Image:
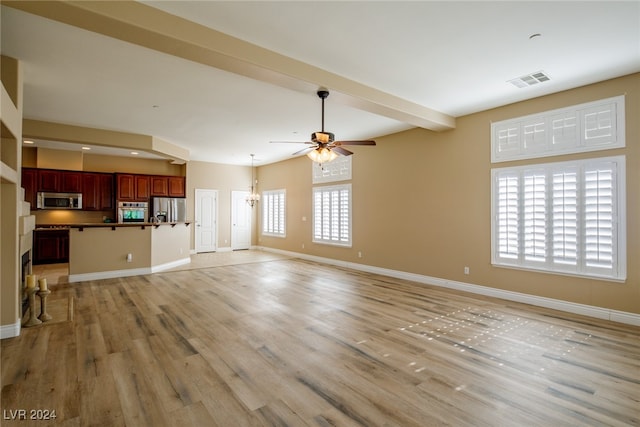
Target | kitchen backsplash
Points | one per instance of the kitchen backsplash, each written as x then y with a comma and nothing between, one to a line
70,216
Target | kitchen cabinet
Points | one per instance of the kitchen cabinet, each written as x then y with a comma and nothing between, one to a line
132,187
159,186
142,187
30,185
50,246
167,186
56,181
176,186
106,191
70,182
125,187
48,180
97,191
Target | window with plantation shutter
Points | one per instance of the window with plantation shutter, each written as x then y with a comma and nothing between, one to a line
336,170
273,213
332,215
592,126
565,217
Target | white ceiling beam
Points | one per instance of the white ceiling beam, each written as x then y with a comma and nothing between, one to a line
152,28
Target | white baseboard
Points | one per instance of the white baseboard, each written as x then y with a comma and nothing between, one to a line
10,331
73,278
570,307
170,265
100,275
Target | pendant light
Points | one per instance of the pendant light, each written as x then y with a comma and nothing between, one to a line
252,198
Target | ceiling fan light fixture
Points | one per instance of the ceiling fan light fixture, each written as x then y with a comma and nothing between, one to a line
322,137
322,155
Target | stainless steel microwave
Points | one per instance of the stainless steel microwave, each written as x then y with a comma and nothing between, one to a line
59,200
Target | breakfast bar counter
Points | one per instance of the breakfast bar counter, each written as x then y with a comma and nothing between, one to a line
109,250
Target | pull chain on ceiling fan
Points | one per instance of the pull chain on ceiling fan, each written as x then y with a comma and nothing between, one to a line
325,147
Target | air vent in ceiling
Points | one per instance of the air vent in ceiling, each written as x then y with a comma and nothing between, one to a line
530,79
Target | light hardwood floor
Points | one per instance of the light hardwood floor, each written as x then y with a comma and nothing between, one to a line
287,342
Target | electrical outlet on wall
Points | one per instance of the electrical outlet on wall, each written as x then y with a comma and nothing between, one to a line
466,270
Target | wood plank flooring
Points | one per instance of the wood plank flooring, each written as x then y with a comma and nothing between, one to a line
287,342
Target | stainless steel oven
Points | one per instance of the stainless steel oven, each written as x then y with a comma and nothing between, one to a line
133,212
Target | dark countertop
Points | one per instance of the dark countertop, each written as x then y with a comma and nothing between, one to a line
112,225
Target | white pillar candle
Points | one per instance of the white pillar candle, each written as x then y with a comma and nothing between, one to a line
31,281
43,284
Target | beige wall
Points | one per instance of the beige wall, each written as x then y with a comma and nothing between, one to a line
101,163
169,244
61,159
421,203
103,249
225,179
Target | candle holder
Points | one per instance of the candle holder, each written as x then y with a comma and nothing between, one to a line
33,320
44,316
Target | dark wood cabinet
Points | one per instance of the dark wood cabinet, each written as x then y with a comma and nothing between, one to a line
48,180
90,192
125,187
50,246
167,186
132,187
70,182
159,186
30,185
142,187
57,181
97,191
106,191
176,186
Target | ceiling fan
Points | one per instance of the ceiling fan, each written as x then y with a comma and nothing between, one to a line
325,148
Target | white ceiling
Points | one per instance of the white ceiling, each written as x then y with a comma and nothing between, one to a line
453,57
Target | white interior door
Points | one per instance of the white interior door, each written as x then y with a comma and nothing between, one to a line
240,221
206,207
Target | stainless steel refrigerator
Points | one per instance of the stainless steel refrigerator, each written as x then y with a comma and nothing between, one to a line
169,209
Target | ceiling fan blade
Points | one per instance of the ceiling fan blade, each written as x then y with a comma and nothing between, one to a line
341,151
354,143
291,142
303,151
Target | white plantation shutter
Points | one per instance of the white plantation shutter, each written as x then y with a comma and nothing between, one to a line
535,215
336,170
564,221
273,213
565,217
564,131
592,126
600,123
599,217
332,214
508,216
